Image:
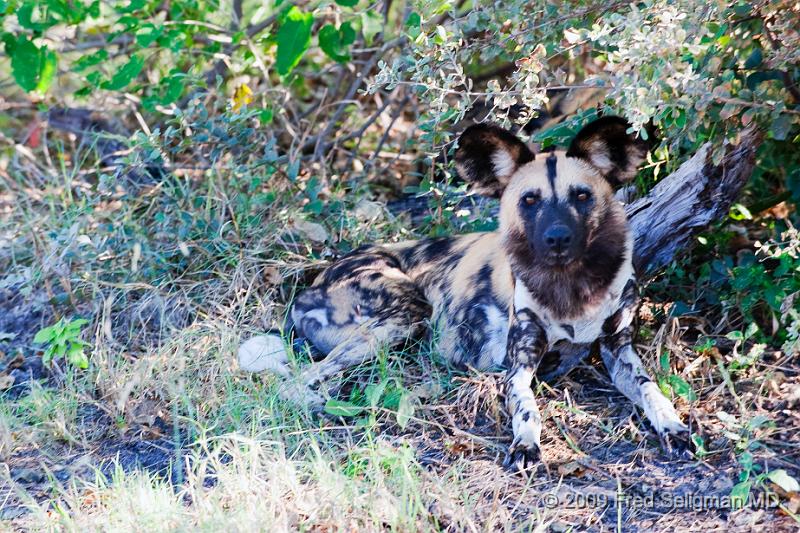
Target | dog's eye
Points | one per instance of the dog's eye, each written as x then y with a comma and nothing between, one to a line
530,198
582,196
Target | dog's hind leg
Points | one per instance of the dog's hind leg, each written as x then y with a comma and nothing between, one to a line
362,344
364,303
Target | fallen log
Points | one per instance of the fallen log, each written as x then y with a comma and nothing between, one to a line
664,221
687,201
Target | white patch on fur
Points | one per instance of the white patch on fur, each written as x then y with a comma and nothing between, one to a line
528,431
598,156
320,315
494,351
265,352
503,163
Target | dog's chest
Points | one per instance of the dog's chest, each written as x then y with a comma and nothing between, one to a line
580,330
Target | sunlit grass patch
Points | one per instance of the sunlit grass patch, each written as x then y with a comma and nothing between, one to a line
249,484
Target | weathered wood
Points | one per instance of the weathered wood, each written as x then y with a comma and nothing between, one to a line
679,207
688,201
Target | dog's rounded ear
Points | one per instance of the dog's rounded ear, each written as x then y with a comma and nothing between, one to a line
606,145
488,156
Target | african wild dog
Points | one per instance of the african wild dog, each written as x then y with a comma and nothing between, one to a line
536,294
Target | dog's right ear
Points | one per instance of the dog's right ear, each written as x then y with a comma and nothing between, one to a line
488,156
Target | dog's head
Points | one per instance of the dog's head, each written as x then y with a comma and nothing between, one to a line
558,208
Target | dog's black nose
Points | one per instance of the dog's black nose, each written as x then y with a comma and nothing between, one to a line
558,238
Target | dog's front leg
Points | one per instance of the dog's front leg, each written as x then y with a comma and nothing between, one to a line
527,342
632,379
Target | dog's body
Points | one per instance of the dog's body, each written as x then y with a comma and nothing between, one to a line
532,296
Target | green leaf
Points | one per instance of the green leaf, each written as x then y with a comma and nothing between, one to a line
758,421
754,59
45,335
33,68
734,335
413,20
25,16
371,25
682,388
347,3
293,39
147,35
265,116
59,348
89,60
334,42
47,357
391,399
781,126
781,478
47,72
728,110
740,212
340,408
740,493
10,43
126,74
746,460
663,361
414,24
563,132
133,5
374,392
77,357
75,325
94,79
405,410
175,85
754,79
699,445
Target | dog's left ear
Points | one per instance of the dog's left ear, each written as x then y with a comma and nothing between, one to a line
606,145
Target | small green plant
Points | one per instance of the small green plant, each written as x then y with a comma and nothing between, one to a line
63,340
668,381
743,435
742,361
388,394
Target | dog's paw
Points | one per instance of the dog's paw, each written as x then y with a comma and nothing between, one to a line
522,456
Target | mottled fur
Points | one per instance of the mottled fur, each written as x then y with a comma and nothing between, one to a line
535,295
